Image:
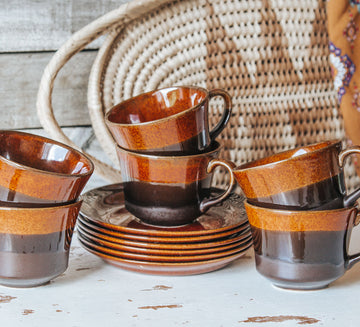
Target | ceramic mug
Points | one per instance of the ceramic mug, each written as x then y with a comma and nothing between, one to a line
308,177
35,243
35,170
170,190
167,121
302,249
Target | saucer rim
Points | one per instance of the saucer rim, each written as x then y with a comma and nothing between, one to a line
158,268
181,246
167,239
165,259
164,251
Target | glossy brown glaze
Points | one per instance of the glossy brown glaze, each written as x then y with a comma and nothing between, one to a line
162,258
326,194
167,170
149,244
34,243
167,121
159,251
170,190
167,239
302,249
305,260
155,202
306,177
32,260
35,169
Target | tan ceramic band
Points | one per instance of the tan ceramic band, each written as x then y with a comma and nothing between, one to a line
300,221
53,187
38,221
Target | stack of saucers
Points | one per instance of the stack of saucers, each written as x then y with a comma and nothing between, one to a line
212,241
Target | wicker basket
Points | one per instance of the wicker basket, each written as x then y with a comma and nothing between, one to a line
271,56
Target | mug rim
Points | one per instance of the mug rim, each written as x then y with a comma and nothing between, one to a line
44,139
244,167
217,146
75,203
109,122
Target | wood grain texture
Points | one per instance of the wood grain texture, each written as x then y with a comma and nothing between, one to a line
44,25
20,76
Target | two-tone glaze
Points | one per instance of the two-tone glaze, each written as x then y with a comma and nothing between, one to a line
35,243
35,169
302,249
173,120
309,177
170,190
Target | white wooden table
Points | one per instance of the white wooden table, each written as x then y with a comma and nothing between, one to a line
93,293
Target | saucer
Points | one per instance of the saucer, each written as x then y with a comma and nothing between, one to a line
215,239
105,207
166,268
162,258
231,239
164,252
177,238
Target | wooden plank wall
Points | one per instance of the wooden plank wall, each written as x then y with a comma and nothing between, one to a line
31,31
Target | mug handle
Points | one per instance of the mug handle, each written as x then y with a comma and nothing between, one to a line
207,203
351,198
226,114
354,258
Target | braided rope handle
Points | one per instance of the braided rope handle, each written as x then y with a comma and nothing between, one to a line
77,42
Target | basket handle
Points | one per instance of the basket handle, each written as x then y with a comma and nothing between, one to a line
75,44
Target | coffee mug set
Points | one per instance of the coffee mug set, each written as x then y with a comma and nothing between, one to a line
40,184
300,215
296,202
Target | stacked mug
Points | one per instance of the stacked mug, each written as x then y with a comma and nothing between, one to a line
167,153
300,214
40,184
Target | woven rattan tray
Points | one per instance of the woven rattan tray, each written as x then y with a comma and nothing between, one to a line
271,56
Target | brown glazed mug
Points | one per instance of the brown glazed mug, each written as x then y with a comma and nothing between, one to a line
302,249
35,243
170,190
167,121
304,178
35,170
